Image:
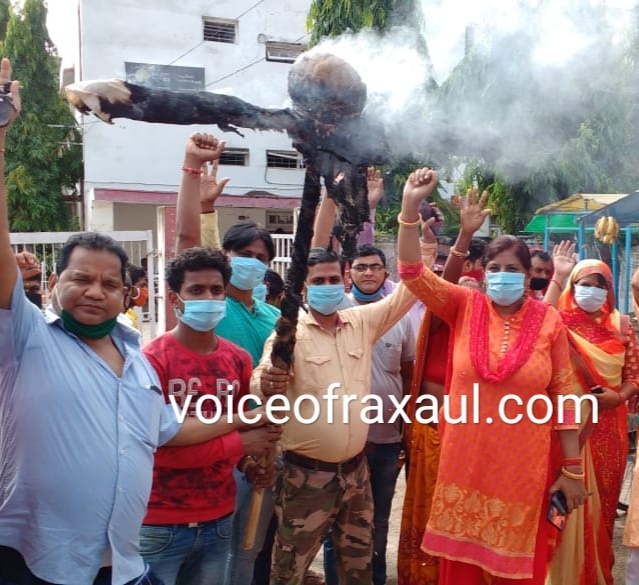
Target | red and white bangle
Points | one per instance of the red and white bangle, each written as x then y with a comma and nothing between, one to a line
192,171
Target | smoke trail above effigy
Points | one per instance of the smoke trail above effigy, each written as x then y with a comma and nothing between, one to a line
509,79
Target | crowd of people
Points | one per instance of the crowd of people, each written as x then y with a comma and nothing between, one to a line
501,376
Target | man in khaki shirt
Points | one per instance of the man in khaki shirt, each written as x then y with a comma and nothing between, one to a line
325,483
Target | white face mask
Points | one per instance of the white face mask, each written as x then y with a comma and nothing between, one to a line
590,298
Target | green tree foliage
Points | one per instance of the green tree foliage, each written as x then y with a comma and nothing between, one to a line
5,13
329,18
545,150
43,156
590,147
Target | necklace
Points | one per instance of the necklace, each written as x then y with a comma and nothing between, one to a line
532,319
504,343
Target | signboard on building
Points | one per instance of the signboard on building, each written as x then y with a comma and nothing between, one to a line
169,77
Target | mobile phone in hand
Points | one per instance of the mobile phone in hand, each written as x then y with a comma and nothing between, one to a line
426,211
558,511
596,389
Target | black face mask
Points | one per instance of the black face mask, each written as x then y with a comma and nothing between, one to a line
34,297
539,283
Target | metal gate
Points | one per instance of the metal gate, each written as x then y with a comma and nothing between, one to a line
137,244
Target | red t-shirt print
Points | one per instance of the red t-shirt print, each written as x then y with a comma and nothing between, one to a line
195,483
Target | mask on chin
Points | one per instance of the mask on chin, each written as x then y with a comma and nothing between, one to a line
97,331
363,297
477,275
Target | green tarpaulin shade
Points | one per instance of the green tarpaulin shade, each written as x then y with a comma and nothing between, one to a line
537,224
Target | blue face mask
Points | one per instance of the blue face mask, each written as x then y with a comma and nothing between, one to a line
590,298
247,273
325,298
363,297
201,315
259,292
505,288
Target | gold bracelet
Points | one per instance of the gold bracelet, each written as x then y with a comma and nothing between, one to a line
571,475
408,224
458,254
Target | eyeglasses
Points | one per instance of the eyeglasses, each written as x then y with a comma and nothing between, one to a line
364,267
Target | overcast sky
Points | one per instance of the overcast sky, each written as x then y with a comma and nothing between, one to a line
61,22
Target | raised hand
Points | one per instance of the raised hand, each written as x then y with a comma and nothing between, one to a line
431,226
564,259
9,94
420,185
28,264
210,188
375,184
202,148
472,213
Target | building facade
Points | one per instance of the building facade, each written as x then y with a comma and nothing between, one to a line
242,48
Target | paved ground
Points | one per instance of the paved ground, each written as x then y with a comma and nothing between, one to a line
393,537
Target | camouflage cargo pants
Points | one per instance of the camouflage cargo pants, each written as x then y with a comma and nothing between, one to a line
308,503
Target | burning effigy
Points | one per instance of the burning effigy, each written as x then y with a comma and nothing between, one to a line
325,125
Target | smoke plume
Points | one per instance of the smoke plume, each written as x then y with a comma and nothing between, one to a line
509,80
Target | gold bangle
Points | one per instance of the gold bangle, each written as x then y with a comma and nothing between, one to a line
458,254
571,475
408,224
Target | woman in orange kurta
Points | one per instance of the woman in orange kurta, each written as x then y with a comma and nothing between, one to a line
604,353
510,366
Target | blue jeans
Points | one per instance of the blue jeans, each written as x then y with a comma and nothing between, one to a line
181,555
14,571
240,562
383,466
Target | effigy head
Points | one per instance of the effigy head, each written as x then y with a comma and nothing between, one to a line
326,88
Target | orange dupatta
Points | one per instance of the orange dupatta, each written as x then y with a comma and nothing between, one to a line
414,566
585,554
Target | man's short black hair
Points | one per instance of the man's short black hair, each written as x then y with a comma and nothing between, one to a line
136,272
193,260
274,283
324,255
370,250
245,233
476,249
541,254
91,241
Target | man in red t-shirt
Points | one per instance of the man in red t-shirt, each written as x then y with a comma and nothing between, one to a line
185,535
